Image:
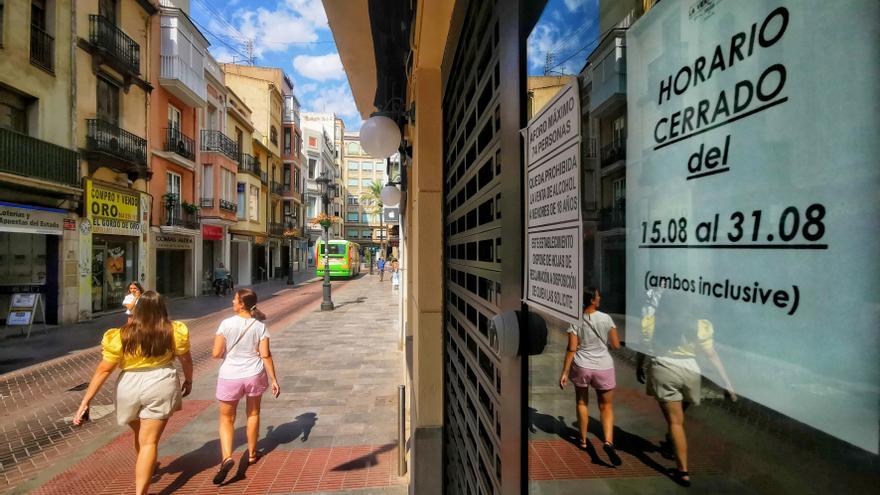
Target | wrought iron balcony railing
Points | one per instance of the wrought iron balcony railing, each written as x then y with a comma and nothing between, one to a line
42,49
107,138
31,157
228,206
180,143
249,164
176,215
276,228
219,142
122,51
612,152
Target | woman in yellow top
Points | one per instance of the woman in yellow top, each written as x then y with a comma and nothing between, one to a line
148,391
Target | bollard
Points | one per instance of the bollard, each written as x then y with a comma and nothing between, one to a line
401,430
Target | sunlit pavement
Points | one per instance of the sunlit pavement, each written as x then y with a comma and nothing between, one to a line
332,430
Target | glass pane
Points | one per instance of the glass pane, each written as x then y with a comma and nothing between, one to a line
723,158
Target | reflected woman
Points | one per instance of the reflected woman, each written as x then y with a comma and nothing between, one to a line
588,363
673,375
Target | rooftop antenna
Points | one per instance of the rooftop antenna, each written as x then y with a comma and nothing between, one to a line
249,46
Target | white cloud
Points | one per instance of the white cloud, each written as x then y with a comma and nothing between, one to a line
320,67
311,10
336,99
307,87
274,31
223,54
543,38
574,5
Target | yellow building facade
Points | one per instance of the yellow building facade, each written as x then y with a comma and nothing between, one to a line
40,188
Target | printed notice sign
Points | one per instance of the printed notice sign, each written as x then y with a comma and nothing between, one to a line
752,207
554,279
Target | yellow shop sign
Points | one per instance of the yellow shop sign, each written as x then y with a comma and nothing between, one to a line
112,211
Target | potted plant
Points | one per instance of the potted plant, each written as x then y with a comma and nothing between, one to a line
190,208
325,220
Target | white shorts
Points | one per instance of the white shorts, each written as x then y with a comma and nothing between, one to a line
150,393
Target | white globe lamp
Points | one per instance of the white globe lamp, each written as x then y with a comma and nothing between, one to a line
390,195
380,136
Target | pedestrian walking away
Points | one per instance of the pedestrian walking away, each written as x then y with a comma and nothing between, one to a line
381,266
135,290
589,364
242,342
673,375
148,390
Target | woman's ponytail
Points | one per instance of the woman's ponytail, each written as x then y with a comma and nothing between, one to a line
248,299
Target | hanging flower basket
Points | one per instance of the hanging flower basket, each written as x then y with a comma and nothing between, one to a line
325,221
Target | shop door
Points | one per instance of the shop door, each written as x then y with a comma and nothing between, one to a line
482,115
99,254
170,272
208,265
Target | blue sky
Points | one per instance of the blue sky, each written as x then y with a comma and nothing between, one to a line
290,34
568,29
294,35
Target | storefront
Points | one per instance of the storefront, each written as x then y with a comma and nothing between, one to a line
212,254
240,258
174,264
260,261
112,246
30,239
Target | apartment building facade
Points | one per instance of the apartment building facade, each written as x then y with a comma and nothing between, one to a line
293,186
363,177
247,228
40,188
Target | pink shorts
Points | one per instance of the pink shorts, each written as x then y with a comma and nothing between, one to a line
232,390
598,379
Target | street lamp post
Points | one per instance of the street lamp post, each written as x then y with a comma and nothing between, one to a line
290,250
326,190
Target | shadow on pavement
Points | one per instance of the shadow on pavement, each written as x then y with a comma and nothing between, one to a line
624,441
288,432
359,300
192,463
364,461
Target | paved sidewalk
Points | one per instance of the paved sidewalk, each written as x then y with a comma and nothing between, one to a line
332,430
16,352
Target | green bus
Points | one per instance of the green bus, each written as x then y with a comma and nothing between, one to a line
345,258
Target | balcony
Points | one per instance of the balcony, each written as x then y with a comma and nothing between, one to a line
116,48
228,206
613,152
176,214
275,188
42,49
218,142
183,50
264,177
207,203
608,72
108,145
590,148
612,218
248,164
180,143
31,157
276,228
291,111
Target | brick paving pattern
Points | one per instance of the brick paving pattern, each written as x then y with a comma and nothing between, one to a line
333,428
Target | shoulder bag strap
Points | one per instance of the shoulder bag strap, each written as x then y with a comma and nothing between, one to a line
240,336
589,323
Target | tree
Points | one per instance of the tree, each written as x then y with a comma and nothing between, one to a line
372,203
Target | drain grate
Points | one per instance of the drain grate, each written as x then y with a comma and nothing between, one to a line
79,388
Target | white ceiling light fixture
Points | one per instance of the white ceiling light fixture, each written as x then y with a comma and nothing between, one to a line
380,136
390,195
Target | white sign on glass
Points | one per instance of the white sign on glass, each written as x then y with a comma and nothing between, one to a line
752,185
554,279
